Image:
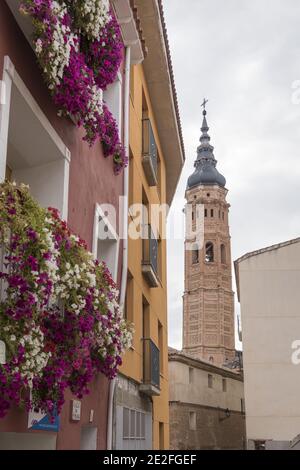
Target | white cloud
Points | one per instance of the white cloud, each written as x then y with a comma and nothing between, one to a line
244,56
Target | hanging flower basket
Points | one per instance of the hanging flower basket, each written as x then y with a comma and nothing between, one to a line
59,315
79,48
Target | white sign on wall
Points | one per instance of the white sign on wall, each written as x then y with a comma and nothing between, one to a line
76,410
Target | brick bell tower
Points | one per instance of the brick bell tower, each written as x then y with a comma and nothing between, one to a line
208,305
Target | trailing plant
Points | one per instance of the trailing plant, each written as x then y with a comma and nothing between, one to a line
79,48
59,313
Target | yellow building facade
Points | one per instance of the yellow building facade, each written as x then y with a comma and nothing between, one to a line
147,306
156,160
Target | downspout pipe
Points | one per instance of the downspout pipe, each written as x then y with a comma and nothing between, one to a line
112,386
126,179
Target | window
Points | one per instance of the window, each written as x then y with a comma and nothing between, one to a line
224,385
191,375
138,423
132,424
211,359
151,371
192,421
151,247
126,423
259,445
151,259
211,212
129,301
223,254
161,436
195,254
145,215
159,258
31,151
113,98
106,241
210,381
208,194
242,405
149,150
149,157
143,425
145,333
223,216
205,212
146,319
209,252
161,346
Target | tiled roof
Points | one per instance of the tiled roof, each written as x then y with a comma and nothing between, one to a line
138,26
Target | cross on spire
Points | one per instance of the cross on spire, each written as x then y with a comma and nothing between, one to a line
203,105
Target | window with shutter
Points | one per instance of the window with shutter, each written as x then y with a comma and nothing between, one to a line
126,433
132,424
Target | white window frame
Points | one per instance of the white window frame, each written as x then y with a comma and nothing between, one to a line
191,375
10,78
136,414
112,235
109,96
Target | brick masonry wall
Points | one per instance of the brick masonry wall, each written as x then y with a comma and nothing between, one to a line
213,432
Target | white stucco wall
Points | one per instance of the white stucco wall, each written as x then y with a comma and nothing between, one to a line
270,310
198,391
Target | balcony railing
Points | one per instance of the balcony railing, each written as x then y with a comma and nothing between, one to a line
150,257
149,158
151,368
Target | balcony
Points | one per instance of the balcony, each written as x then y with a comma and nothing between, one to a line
150,258
149,158
151,366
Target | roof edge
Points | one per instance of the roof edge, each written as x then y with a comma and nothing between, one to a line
268,248
175,355
251,254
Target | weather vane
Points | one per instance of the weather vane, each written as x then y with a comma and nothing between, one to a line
204,104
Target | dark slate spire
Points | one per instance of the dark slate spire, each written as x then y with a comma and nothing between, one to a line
205,164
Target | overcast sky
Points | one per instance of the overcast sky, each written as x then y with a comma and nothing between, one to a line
244,56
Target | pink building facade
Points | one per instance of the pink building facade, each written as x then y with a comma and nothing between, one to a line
47,152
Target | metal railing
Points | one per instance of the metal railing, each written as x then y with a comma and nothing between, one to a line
149,144
151,363
150,248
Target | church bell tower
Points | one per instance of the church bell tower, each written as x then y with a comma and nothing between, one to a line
208,305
